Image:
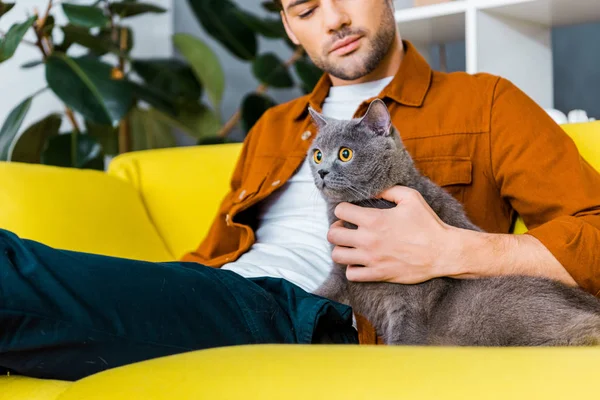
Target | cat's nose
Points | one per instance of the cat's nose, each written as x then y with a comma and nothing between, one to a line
322,173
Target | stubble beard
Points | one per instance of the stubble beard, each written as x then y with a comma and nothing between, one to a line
350,68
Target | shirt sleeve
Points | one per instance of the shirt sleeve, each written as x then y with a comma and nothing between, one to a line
540,173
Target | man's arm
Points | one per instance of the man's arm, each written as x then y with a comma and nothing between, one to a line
536,168
539,171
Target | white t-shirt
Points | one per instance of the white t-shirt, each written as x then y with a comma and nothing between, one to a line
291,238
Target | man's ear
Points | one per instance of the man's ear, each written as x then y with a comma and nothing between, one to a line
289,32
377,118
317,118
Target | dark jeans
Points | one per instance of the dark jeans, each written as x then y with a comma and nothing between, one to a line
65,315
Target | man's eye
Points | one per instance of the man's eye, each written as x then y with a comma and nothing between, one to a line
307,13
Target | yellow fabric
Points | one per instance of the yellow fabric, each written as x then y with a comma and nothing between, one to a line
78,210
146,198
19,388
587,138
182,188
352,372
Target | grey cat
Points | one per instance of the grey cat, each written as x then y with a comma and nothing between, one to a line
355,160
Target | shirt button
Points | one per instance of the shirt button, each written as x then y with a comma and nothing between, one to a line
306,135
275,183
241,196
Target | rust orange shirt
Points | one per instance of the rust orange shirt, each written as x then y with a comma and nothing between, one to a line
478,136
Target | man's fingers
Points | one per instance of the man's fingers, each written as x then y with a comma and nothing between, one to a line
354,214
355,273
347,255
342,236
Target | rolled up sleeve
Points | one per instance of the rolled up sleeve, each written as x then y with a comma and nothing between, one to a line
540,173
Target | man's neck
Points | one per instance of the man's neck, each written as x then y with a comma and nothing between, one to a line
388,67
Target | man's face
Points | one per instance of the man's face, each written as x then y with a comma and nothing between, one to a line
345,38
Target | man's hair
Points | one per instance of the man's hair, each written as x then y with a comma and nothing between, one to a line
278,4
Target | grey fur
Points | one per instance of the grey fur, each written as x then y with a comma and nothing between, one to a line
498,311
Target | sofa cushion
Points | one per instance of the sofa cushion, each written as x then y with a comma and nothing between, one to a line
80,210
182,188
20,388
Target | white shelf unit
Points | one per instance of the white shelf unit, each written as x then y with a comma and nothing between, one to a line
510,38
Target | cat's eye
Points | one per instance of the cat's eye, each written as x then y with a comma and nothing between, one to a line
318,156
345,154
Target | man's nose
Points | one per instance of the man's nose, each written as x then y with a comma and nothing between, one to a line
334,14
322,173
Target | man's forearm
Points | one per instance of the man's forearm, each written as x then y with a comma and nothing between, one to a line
486,254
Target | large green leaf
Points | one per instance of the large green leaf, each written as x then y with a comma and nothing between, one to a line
253,107
29,145
270,6
82,36
98,44
148,131
5,7
105,35
10,42
268,27
270,70
49,25
194,119
85,16
11,126
154,97
58,152
170,76
85,85
106,135
308,73
221,20
130,9
205,64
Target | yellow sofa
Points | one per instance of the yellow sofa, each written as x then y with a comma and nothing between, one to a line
156,205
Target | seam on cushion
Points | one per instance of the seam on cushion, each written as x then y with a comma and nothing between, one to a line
124,337
140,185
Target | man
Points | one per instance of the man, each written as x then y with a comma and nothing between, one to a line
66,315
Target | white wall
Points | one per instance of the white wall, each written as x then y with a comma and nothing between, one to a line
152,39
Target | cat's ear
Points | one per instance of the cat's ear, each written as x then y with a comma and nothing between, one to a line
318,119
377,118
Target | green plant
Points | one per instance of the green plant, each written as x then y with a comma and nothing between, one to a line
114,103
132,104
238,31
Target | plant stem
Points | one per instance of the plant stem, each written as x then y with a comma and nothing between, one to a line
261,89
72,119
124,135
74,140
124,127
74,136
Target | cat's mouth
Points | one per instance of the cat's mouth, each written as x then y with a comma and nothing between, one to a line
337,190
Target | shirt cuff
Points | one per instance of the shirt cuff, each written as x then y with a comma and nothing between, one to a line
573,242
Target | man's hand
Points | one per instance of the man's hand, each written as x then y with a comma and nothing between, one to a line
410,244
405,244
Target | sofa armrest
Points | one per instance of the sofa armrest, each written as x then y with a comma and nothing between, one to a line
181,188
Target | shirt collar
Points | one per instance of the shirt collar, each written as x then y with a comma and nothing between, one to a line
409,86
